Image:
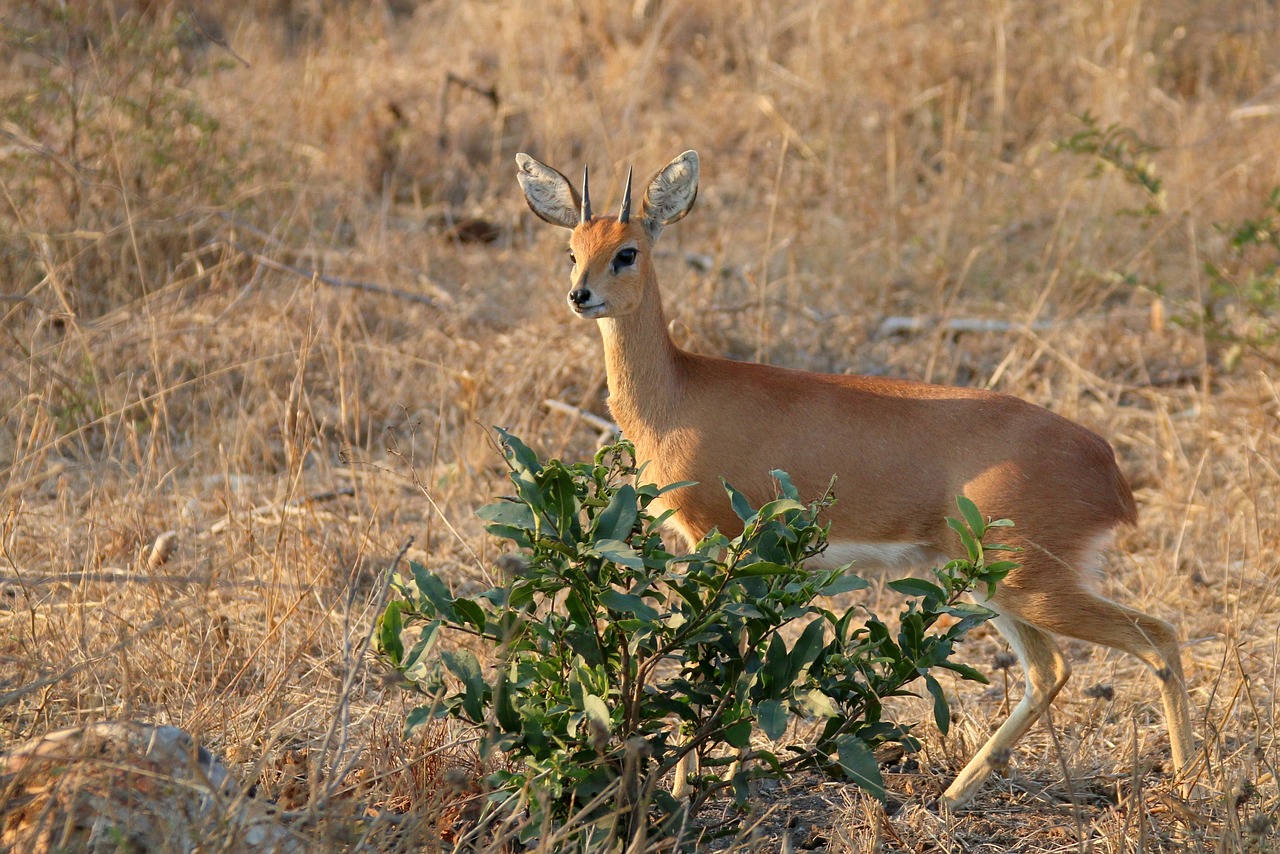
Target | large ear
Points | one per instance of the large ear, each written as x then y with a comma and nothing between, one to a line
671,193
548,193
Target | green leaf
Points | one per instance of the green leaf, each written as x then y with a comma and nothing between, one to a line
618,552
738,733
818,704
772,715
561,500
779,506
911,633
582,641
415,663
998,570
504,705
534,732
965,671
669,706
576,690
617,520
659,521
522,537
785,486
512,514
518,453
434,591
417,717
806,648
689,593
389,633
846,583
463,664
618,601
977,524
521,594
682,484
741,506
762,568
776,665
969,615
941,711
469,612
768,758
577,609
597,712
917,587
859,765
971,546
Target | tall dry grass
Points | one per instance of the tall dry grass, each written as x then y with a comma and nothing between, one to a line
172,181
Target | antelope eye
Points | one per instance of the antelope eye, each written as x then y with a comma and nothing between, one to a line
572,259
625,258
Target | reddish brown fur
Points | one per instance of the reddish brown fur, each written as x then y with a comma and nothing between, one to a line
900,451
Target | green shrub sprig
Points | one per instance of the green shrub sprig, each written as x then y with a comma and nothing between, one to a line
604,638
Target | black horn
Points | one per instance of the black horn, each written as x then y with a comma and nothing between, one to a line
586,198
625,214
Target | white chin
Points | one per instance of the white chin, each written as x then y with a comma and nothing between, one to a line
590,312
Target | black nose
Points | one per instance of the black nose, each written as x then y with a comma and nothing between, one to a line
580,296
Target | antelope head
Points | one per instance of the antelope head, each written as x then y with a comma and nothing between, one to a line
611,256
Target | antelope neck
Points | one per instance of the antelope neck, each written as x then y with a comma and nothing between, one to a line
644,368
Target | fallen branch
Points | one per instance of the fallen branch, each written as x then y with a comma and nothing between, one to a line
489,93
608,430
1189,376
294,507
332,281
111,575
903,325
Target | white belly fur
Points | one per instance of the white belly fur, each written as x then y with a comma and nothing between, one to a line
866,556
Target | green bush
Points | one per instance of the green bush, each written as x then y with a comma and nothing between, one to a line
604,638
1240,312
1119,148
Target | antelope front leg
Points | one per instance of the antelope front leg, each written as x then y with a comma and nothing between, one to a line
1046,672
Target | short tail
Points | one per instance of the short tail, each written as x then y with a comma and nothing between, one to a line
1124,497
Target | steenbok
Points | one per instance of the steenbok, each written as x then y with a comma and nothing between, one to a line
900,452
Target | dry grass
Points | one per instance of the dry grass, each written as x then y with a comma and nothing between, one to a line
161,370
